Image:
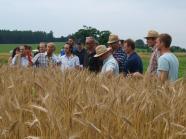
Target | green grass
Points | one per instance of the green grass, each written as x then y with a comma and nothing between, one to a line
182,62
5,49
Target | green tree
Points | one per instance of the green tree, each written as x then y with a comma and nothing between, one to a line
140,44
100,36
103,37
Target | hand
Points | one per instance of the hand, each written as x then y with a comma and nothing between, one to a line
137,74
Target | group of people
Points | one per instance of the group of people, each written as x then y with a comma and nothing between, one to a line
118,57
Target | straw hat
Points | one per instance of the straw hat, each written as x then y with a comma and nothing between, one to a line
113,38
152,34
101,49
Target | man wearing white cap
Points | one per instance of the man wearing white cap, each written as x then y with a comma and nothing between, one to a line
110,65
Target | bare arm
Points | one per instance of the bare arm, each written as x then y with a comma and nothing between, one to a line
163,76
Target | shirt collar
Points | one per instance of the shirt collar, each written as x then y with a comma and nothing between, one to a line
69,57
104,61
47,55
131,54
154,48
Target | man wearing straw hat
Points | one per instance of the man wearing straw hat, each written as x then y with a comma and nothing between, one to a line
110,65
118,52
151,42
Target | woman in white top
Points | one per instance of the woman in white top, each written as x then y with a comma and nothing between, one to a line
69,60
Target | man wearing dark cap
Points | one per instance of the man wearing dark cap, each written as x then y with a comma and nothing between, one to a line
80,52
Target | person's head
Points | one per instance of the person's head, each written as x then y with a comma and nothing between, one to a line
151,37
90,43
50,48
15,51
122,44
80,45
102,52
163,41
114,42
28,49
129,46
71,40
68,48
23,52
42,47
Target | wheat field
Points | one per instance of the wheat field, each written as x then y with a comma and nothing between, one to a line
49,104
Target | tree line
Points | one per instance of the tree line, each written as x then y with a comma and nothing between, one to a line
30,37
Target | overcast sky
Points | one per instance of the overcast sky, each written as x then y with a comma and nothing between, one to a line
127,18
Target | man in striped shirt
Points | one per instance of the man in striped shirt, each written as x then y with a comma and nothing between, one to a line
151,42
118,52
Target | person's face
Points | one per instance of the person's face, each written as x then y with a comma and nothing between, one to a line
151,42
22,50
71,42
102,57
67,49
158,44
80,46
114,45
127,48
17,51
50,49
90,44
28,51
42,48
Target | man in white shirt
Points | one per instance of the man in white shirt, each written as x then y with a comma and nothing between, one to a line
69,60
110,65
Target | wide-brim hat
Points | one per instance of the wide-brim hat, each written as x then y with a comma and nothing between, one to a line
113,38
152,34
101,49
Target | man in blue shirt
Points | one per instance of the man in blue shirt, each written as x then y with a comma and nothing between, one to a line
80,52
71,41
134,63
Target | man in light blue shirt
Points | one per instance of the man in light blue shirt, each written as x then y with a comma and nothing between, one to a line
168,63
110,65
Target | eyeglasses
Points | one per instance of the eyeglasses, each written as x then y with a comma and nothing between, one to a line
110,44
151,38
89,43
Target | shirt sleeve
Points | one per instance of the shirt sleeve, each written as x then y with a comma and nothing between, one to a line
110,67
77,61
57,59
35,58
14,60
163,64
